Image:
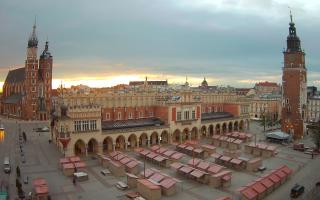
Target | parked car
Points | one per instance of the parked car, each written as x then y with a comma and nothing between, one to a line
6,165
42,129
296,191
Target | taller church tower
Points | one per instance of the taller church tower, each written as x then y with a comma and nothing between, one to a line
294,83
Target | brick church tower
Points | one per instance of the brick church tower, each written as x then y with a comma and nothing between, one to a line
31,77
294,83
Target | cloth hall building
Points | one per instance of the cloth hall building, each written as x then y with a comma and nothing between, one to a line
108,119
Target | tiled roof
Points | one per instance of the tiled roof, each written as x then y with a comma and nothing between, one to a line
266,84
13,99
134,123
16,75
215,115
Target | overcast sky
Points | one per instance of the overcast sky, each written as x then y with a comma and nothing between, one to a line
103,42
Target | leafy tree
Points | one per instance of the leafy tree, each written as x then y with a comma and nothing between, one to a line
315,135
18,172
18,184
24,136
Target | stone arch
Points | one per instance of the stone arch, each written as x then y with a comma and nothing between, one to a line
143,140
185,134
132,141
107,144
211,130
194,133
203,131
120,143
235,126
218,129
176,135
154,138
93,146
224,128
80,148
241,125
230,127
164,138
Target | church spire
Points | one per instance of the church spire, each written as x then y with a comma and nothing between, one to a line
293,41
33,40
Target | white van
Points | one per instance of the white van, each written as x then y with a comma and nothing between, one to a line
6,165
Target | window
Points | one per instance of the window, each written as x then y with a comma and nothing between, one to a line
151,114
119,115
186,115
140,114
193,114
178,116
108,116
210,110
77,126
33,89
287,101
130,115
93,125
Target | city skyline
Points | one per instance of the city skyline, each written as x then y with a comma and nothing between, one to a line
229,43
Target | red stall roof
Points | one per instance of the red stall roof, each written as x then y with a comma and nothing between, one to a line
64,160
281,174
68,166
80,164
144,152
203,165
236,161
176,165
41,190
177,155
190,148
167,183
198,150
194,162
162,150
225,158
148,184
39,182
208,146
258,187
132,164
286,169
182,146
216,155
119,156
157,177
274,178
249,193
266,182
224,198
169,153
237,141
215,168
155,147
197,173
152,155
159,158
114,153
125,160
74,159
186,169
149,173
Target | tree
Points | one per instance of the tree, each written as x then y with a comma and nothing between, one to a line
315,135
24,136
18,172
18,184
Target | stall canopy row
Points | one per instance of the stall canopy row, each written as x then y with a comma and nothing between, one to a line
267,183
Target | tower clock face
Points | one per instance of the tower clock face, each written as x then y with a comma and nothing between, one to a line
291,58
